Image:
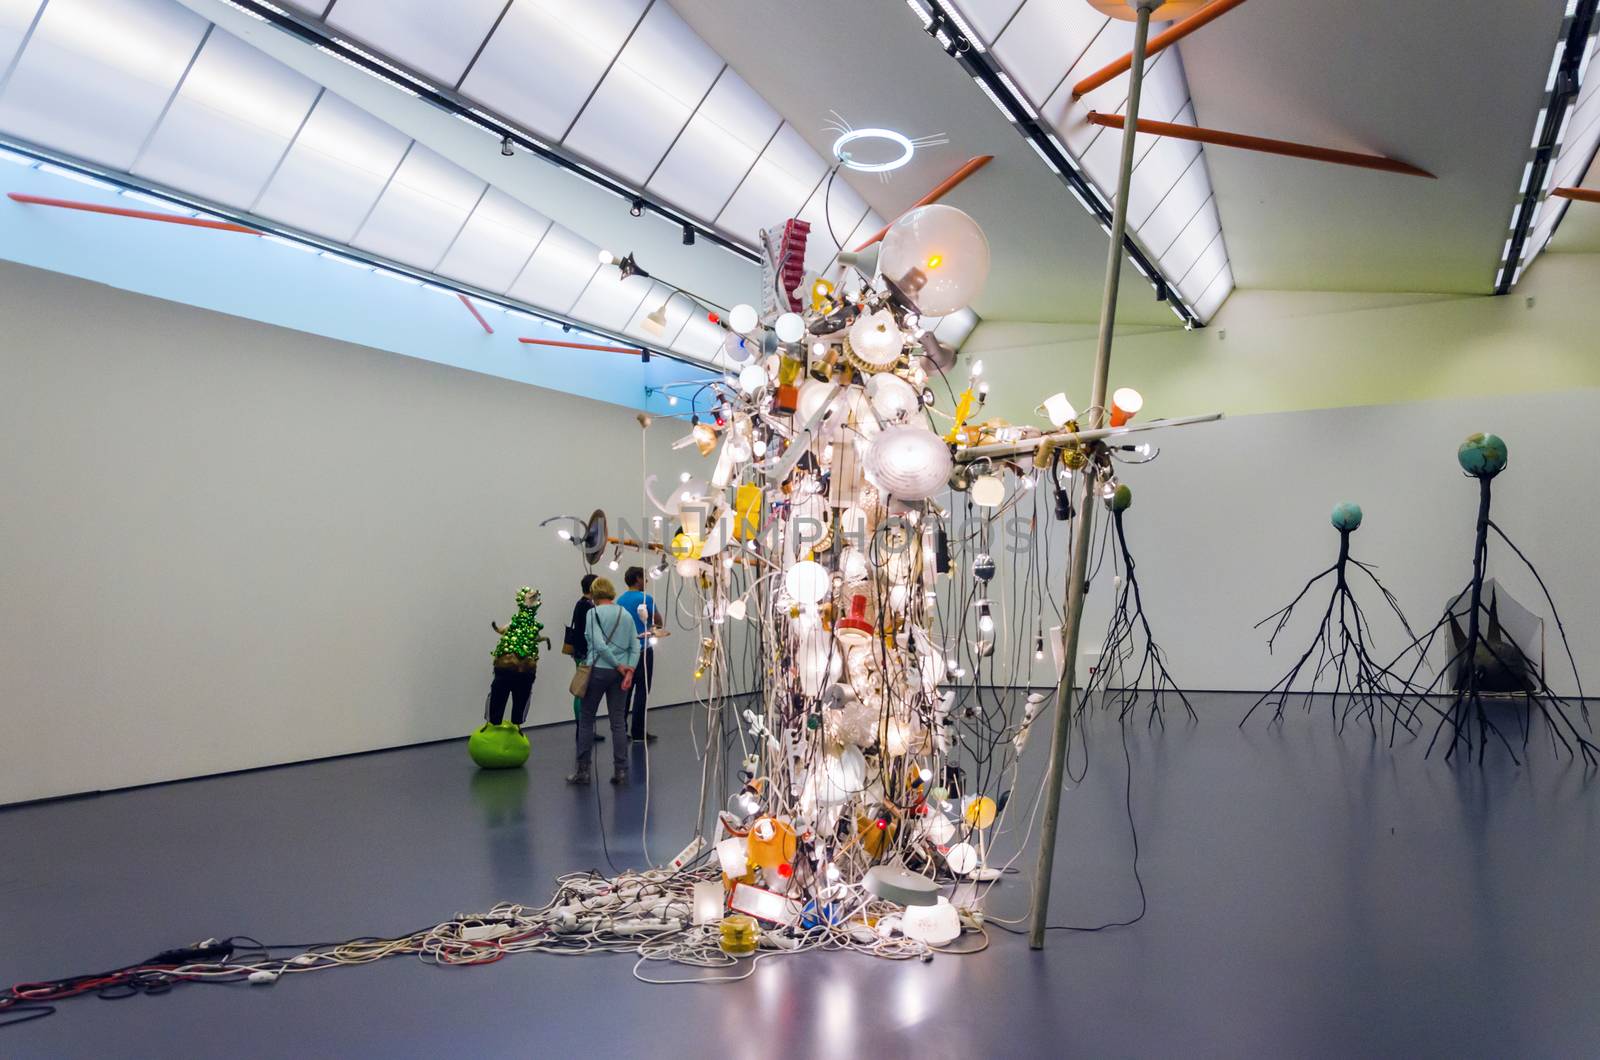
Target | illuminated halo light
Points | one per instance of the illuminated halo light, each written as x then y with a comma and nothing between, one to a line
899,140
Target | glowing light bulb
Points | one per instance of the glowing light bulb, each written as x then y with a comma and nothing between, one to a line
672,399
565,535
937,255
613,564
819,349
789,327
759,447
606,257
977,368
684,476
985,624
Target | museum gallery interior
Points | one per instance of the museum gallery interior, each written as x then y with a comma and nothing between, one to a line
743,527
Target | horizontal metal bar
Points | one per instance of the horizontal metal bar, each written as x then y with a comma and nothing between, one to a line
1001,450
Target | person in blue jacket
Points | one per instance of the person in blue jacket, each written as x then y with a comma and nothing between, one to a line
647,622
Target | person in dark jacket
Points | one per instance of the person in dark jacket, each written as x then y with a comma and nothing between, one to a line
576,644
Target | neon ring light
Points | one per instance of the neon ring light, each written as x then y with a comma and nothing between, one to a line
903,142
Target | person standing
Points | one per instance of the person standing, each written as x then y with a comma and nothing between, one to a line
576,644
613,655
641,606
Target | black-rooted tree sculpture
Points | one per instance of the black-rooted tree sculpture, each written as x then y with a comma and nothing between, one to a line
1481,652
1343,647
1123,635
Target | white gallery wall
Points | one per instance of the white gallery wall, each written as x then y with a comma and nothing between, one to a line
226,544
1231,520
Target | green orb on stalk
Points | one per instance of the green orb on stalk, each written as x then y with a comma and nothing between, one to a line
1482,455
1346,517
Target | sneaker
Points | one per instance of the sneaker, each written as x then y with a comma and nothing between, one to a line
620,777
580,777
599,738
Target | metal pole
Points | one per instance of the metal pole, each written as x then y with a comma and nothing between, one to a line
1084,528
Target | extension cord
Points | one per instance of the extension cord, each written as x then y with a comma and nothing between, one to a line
304,959
645,927
484,932
688,853
779,942
262,978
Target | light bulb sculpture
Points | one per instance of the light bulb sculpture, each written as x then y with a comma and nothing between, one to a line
1480,650
1119,683
1342,649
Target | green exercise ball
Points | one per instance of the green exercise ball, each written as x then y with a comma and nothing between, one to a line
1482,455
498,746
1346,516
1120,499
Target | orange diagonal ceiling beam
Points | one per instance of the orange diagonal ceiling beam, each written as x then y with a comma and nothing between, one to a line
1578,194
1179,30
971,166
1263,144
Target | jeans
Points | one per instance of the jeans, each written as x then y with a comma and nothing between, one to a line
641,688
607,683
514,685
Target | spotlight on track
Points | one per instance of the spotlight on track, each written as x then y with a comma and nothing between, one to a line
505,146
688,236
637,209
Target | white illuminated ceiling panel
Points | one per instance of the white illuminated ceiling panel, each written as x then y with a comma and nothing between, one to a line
678,309
1212,298
1212,260
647,96
1179,256
420,212
1043,41
230,124
701,339
15,18
989,17
547,56
558,271
1182,202
96,75
496,242
435,39
1154,176
611,301
716,148
335,170
845,209
778,186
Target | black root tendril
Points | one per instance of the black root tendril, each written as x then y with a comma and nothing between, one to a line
1119,683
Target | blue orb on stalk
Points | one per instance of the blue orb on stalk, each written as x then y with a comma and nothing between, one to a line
1346,517
1482,455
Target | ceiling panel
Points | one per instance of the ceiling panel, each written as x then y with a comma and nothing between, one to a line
558,271
701,339
845,209
96,75
413,31
15,18
1211,261
547,56
335,170
496,242
678,310
611,301
1211,300
421,210
646,97
717,148
1045,38
230,124
777,187
989,17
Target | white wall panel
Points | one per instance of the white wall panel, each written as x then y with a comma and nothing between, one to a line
431,38
421,210
496,242
558,271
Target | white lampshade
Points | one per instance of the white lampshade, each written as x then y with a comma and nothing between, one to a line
910,462
742,318
939,256
790,327
737,349
935,924
813,393
807,581
961,858
892,397
812,657
1058,410
733,855
876,340
989,491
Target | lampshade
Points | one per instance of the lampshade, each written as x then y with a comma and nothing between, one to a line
910,462
891,397
989,491
875,340
935,924
813,393
938,257
812,660
1125,405
1166,12
1058,410
737,348
961,858
655,322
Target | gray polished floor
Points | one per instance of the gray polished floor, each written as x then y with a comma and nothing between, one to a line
1307,897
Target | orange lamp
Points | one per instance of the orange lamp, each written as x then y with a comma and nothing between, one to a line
1125,405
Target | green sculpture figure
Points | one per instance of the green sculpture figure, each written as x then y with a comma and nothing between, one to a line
498,743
